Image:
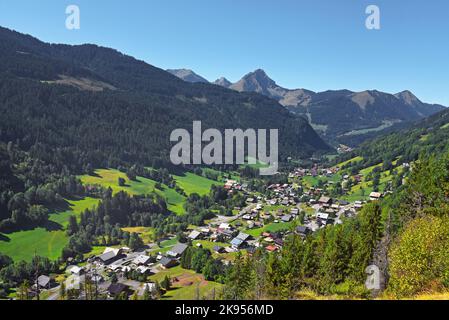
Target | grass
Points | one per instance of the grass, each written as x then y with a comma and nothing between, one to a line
344,163
109,178
145,233
192,183
445,126
187,286
23,245
76,208
271,227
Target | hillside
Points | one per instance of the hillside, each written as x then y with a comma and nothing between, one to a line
187,75
425,137
101,107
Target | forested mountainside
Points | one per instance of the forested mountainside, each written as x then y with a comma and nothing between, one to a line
96,105
425,137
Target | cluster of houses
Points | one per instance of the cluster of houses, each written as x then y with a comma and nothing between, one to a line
119,261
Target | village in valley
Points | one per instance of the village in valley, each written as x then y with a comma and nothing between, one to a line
301,206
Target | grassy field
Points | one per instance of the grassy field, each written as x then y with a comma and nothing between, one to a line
186,284
192,183
76,207
271,227
109,178
45,242
145,233
24,244
356,159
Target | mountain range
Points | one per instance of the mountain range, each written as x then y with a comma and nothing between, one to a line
87,105
340,116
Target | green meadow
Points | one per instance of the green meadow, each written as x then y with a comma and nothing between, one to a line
186,284
192,183
76,207
23,245
271,227
109,178
45,242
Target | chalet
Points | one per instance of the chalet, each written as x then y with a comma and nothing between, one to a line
44,282
294,211
116,289
177,250
266,234
279,242
303,231
141,260
168,263
250,200
271,248
143,270
238,241
194,235
286,218
325,200
109,256
205,231
322,217
251,250
218,249
224,226
75,270
375,196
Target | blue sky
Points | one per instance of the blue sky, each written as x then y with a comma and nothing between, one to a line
315,44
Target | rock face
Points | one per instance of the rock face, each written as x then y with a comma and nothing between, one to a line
223,82
187,75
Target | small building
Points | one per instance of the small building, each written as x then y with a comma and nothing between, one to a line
194,235
218,249
142,260
303,231
75,270
322,217
168,263
109,255
236,243
177,250
325,200
116,289
286,218
44,282
375,196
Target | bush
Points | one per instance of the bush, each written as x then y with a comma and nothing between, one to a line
420,256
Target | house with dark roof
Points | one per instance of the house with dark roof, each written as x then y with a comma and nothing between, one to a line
218,249
109,256
177,250
116,289
168,263
303,230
